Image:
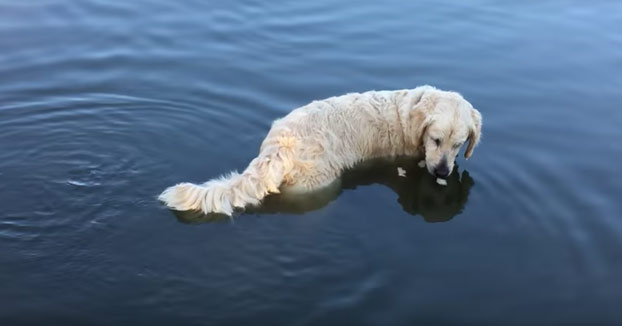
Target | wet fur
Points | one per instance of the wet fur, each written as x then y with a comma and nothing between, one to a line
311,146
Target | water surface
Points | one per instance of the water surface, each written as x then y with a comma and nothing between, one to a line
103,104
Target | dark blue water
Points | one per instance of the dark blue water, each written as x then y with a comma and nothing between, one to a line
103,104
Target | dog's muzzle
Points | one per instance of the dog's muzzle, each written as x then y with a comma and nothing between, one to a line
442,170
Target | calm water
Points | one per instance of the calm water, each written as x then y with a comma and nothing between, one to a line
103,104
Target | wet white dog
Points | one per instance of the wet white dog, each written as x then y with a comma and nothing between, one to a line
310,147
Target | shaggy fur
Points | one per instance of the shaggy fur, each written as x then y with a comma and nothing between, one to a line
311,146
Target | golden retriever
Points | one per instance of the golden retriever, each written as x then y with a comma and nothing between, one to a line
310,147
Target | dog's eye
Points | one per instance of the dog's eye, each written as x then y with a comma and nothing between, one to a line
437,141
457,145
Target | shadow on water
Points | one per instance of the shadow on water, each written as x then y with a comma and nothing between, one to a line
418,193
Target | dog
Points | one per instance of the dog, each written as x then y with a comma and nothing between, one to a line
310,147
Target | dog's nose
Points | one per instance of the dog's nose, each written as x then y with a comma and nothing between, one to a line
441,171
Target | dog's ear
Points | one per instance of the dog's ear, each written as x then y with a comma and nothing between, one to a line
474,133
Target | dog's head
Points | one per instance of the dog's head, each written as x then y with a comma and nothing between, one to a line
442,122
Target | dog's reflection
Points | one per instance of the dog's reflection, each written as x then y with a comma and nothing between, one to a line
417,192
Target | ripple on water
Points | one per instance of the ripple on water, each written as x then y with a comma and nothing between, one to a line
72,163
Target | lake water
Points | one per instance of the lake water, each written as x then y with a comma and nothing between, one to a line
103,104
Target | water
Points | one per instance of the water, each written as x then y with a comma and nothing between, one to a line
103,104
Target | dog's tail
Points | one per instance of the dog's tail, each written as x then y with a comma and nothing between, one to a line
264,175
